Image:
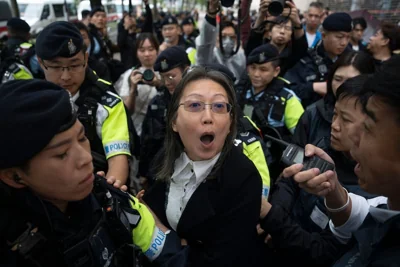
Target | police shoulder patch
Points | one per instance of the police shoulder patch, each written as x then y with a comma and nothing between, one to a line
110,100
14,68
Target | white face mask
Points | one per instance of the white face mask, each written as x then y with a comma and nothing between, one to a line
228,45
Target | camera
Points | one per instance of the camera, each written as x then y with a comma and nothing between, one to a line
227,3
148,75
276,7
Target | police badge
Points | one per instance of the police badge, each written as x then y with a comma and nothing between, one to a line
71,47
164,65
262,58
170,21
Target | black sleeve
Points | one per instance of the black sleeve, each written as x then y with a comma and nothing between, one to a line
122,38
299,50
289,238
148,23
302,130
255,40
308,248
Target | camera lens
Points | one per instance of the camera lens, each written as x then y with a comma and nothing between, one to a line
276,7
148,75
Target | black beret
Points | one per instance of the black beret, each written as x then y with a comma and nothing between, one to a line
221,68
33,112
263,54
59,39
171,58
96,9
338,22
188,20
18,24
169,20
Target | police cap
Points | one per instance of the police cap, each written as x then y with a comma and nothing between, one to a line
59,39
18,25
263,54
171,58
188,21
97,9
33,112
169,20
338,22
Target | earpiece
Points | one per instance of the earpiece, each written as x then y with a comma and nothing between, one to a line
17,179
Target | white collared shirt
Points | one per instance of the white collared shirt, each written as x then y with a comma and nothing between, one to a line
187,176
74,98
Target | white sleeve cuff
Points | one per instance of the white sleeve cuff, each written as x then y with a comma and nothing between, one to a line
359,211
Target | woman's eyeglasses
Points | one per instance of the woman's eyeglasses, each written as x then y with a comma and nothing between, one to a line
198,106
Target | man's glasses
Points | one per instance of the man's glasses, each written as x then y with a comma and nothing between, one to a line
198,106
59,69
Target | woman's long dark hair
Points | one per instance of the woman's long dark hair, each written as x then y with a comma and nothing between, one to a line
361,61
173,146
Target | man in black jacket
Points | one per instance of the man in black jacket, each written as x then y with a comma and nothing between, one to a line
368,230
356,37
285,32
308,76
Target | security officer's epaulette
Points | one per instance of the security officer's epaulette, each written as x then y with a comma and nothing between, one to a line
287,82
100,90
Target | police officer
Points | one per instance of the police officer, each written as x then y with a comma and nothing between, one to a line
98,29
55,212
172,37
101,111
171,64
265,97
308,76
189,30
16,56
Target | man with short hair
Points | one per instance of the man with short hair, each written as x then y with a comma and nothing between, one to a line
368,229
356,37
384,42
308,76
98,29
101,111
285,32
313,20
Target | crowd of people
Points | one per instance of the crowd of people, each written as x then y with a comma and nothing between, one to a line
169,156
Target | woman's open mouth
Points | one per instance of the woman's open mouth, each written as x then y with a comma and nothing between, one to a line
207,139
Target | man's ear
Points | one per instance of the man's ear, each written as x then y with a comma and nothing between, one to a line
324,35
11,178
41,63
86,58
277,71
385,42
